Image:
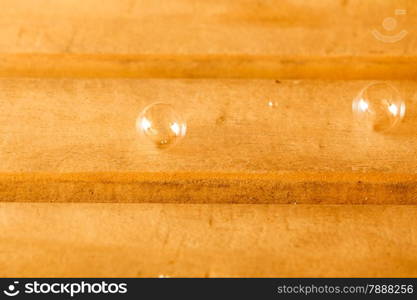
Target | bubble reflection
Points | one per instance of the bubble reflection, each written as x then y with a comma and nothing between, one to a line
161,124
379,106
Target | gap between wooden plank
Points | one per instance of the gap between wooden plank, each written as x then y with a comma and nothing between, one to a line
206,66
271,188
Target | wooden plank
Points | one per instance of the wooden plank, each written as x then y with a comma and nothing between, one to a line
129,240
76,140
216,39
67,125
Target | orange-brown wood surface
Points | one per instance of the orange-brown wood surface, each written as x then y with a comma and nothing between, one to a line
77,140
207,39
236,197
207,240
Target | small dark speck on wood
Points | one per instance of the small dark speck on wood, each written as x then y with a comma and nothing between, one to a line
221,120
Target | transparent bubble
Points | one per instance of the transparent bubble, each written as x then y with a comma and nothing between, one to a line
379,106
161,124
272,104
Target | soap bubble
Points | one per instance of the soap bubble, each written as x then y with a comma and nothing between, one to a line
379,106
272,104
161,124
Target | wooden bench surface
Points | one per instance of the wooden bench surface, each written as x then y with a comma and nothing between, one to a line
75,77
76,140
206,39
207,240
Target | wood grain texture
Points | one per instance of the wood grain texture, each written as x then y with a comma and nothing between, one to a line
275,188
76,140
206,39
206,66
150,240
70,125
